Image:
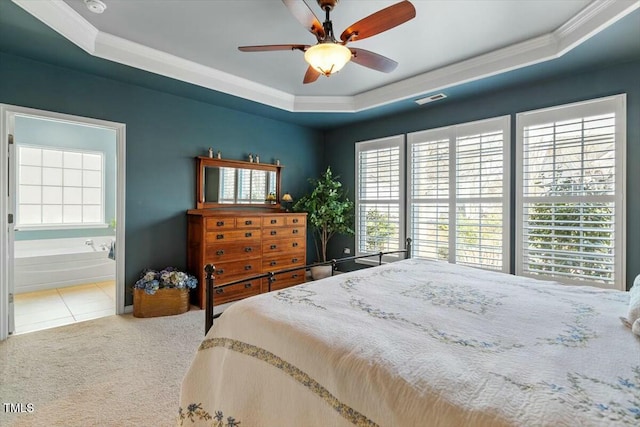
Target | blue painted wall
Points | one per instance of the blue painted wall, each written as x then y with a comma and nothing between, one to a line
49,133
616,79
164,133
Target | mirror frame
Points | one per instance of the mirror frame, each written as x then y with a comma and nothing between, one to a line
203,162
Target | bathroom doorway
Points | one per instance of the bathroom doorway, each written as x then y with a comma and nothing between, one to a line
65,179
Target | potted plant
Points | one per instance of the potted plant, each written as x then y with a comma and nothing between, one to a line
162,293
329,212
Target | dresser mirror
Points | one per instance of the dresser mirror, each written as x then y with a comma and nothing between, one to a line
225,183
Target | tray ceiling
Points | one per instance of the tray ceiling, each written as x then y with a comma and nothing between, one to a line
448,43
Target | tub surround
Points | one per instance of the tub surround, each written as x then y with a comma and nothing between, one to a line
57,263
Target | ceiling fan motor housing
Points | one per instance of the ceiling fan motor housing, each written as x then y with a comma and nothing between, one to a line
324,4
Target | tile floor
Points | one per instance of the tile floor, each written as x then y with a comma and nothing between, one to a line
35,311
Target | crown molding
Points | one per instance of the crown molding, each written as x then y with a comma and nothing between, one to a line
597,16
62,18
126,52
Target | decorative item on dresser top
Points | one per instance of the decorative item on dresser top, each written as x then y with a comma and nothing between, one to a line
239,227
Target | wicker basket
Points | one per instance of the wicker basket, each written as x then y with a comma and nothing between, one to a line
165,302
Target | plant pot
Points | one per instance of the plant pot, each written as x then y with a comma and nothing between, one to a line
165,302
320,272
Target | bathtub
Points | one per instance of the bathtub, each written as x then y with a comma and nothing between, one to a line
56,263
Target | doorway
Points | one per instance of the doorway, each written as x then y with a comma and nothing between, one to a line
64,218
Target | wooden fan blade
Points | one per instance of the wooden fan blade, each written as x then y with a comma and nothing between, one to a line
373,60
306,17
311,75
380,21
270,47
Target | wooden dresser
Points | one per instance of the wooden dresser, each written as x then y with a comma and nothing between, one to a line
243,243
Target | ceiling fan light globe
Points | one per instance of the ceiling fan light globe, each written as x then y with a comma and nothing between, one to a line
327,58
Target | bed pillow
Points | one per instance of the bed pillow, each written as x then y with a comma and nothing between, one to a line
633,315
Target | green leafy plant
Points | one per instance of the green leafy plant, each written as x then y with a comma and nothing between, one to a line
378,229
329,210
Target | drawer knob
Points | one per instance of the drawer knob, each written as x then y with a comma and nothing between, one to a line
273,232
247,285
248,249
220,223
294,260
221,271
273,221
294,244
220,252
293,276
220,236
219,291
247,267
273,246
295,220
295,231
248,222
248,234
272,263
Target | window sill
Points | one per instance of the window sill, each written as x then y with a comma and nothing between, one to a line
46,227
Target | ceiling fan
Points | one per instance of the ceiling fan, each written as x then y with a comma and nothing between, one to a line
329,55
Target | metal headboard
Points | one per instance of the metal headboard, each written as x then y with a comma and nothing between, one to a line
210,268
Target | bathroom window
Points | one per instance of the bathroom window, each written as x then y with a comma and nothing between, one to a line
59,188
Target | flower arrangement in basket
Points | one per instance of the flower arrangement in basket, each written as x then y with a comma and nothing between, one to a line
162,293
169,277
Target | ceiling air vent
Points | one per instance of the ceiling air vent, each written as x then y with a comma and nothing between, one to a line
431,98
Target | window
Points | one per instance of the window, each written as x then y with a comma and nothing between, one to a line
458,198
59,188
570,186
380,195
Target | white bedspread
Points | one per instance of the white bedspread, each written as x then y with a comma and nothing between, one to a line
418,343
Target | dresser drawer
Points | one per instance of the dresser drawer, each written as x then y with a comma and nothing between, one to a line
214,223
282,232
295,220
273,221
224,236
248,222
285,280
278,262
235,292
233,270
232,251
279,246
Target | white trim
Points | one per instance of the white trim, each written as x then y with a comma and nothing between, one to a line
5,112
597,16
616,104
375,144
4,229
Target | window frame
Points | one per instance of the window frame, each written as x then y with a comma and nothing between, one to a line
453,133
61,226
371,145
592,107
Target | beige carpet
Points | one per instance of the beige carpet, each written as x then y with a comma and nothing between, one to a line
114,371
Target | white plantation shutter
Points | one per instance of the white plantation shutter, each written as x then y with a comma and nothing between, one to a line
570,193
227,185
380,195
458,205
429,193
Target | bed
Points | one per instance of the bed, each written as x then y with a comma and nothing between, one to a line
418,343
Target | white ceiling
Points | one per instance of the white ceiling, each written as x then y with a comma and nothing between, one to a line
448,43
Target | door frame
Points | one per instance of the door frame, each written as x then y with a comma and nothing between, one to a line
7,112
